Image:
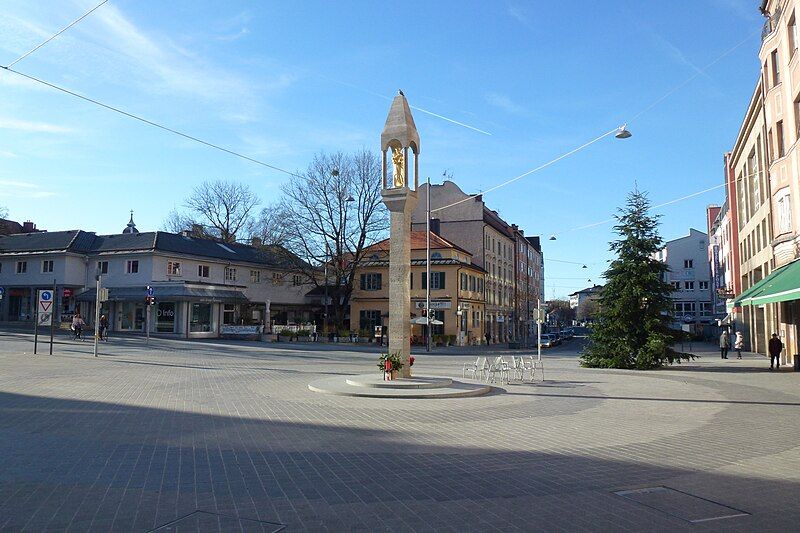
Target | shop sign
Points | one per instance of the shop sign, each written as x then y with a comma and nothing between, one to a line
240,330
67,293
434,305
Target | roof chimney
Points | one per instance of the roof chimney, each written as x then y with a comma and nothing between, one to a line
197,230
436,226
28,227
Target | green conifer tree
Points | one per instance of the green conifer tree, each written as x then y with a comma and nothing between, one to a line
632,328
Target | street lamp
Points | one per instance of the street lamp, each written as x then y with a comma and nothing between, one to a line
328,258
623,132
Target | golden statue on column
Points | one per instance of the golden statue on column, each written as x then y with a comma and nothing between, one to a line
399,162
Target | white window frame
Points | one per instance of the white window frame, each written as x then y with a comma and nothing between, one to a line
230,273
132,266
102,267
173,268
255,276
22,267
47,263
203,271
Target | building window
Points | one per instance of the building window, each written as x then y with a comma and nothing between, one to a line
676,285
201,318
255,276
705,308
688,285
464,282
230,274
791,31
688,263
781,147
784,212
102,267
703,285
437,280
276,278
173,268
47,266
202,271
132,266
776,68
297,280
372,281
22,267
472,283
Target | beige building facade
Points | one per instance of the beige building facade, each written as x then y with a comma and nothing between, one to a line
495,246
456,287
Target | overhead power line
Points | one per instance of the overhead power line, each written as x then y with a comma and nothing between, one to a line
62,30
149,122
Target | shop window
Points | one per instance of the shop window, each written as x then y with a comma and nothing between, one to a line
202,271
229,314
22,267
102,267
165,317
230,274
47,266
173,268
437,314
200,318
132,267
368,319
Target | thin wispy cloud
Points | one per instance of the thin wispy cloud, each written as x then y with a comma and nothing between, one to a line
14,124
502,101
21,189
520,15
7,154
744,9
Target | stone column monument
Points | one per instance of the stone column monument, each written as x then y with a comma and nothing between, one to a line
399,140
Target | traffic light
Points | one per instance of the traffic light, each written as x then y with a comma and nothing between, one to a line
424,312
150,300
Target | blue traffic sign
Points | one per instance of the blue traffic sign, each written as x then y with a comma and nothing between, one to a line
149,291
46,296
2,291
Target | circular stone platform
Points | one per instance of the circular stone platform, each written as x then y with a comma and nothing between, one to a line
373,386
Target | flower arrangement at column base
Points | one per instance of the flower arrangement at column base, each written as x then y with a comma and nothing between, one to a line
410,364
390,364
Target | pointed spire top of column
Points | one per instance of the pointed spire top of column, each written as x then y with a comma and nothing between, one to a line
400,125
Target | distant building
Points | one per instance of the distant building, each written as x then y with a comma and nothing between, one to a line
202,286
8,227
457,290
589,293
690,277
496,246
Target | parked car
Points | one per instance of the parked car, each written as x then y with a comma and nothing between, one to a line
548,340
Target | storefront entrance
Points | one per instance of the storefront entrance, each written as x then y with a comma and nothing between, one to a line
201,318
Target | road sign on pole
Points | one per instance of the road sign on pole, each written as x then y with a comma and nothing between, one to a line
2,292
45,308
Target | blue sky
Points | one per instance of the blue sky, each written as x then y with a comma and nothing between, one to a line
280,81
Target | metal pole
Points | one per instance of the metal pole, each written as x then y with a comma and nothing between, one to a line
147,323
325,315
52,317
36,324
428,268
97,314
539,329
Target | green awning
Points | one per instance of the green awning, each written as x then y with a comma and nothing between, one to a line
780,286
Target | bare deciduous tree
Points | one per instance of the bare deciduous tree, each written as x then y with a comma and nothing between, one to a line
223,208
331,215
270,226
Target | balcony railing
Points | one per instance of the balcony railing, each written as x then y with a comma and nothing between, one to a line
771,23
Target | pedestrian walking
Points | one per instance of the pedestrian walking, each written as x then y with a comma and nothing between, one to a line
488,338
724,344
77,326
738,344
103,328
775,349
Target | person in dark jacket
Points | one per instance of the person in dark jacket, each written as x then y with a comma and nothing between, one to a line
724,344
775,349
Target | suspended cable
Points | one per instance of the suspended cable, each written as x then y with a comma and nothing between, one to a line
62,30
528,173
150,122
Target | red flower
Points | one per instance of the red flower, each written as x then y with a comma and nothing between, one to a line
411,361
388,366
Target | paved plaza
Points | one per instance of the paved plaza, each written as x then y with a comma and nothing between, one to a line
225,436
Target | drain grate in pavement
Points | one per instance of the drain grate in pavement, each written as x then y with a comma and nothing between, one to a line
203,521
680,504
